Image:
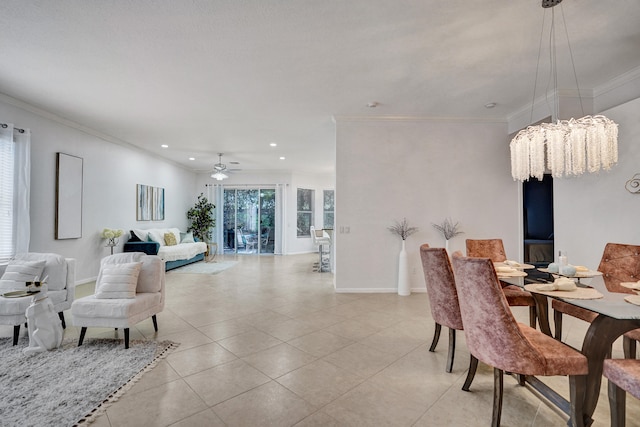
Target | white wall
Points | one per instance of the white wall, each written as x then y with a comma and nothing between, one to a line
592,210
426,171
111,172
292,181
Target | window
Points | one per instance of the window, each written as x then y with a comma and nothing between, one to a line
305,212
7,237
328,208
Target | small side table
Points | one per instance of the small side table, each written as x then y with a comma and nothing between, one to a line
212,252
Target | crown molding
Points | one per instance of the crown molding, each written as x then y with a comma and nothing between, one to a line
406,119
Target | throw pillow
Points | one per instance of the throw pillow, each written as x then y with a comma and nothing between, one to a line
170,239
157,236
142,235
133,237
187,238
19,272
118,280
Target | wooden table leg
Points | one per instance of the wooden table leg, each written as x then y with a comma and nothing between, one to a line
601,334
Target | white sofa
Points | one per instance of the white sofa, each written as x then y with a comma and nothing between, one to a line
61,281
154,242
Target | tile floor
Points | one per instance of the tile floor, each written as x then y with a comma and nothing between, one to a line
269,343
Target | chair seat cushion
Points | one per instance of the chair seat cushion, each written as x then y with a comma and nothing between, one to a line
516,296
124,308
555,357
572,310
625,373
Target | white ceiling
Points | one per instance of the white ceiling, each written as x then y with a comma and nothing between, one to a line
209,76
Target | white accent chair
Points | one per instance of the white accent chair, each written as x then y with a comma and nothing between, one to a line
116,312
321,238
60,274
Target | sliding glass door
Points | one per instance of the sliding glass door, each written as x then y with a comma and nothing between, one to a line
249,220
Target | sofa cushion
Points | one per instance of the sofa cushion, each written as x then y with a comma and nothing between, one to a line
182,251
18,272
118,280
55,268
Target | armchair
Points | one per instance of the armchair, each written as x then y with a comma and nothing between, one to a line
61,281
495,337
516,296
130,288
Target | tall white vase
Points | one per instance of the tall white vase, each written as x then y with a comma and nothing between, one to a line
446,245
404,288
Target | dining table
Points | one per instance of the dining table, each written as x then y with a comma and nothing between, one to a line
615,316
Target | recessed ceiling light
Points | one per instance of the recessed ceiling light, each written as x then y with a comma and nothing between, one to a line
273,144
490,105
372,104
192,158
282,158
164,146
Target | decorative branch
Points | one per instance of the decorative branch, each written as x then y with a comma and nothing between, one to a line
448,229
402,229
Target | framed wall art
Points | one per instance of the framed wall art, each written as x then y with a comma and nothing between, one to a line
144,200
158,204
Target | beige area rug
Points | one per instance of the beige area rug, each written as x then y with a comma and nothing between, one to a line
71,385
203,267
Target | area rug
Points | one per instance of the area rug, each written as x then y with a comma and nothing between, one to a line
71,385
205,267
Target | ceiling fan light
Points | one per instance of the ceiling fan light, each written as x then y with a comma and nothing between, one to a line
219,176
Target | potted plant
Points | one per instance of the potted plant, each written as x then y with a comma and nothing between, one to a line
201,217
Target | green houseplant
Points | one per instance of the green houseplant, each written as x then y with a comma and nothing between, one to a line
201,217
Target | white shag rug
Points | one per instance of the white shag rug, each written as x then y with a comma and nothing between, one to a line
70,385
203,267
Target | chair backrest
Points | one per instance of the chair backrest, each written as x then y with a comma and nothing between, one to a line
492,333
60,271
152,272
620,263
441,287
486,248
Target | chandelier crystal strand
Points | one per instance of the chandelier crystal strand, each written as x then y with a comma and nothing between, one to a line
537,154
555,151
578,150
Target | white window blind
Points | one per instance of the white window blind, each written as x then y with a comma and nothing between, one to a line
7,173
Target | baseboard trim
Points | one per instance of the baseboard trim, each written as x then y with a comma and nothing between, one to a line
375,290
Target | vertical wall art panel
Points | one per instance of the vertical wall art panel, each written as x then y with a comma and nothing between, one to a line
144,196
68,196
158,204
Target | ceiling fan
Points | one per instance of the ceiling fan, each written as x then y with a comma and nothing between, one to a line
219,169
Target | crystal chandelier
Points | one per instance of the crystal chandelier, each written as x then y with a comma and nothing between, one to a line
567,147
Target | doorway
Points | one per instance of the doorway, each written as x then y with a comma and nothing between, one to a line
249,220
538,221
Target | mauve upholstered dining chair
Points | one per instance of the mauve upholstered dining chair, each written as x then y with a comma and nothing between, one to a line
494,250
624,377
495,337
619,263
443,301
